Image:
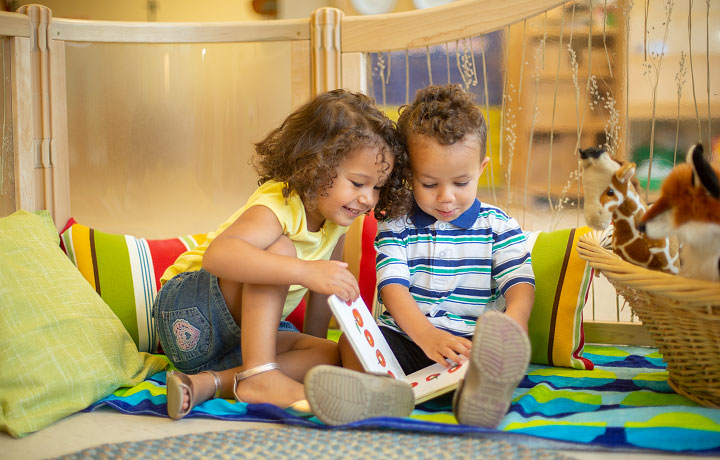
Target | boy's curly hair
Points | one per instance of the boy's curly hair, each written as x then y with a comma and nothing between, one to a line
305,151
446,113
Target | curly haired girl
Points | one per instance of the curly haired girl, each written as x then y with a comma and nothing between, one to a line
220,314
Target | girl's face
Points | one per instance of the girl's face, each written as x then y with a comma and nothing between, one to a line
445,177
355,190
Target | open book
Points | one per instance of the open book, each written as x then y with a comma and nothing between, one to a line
358,324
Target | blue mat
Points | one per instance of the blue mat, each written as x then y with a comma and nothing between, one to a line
625,402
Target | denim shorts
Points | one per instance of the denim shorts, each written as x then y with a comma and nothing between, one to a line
195,326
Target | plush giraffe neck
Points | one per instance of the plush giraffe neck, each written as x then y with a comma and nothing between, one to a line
627,208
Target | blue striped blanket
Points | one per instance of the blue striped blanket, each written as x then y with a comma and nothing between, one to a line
625,402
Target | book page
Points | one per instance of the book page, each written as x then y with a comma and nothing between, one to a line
436,379
358,324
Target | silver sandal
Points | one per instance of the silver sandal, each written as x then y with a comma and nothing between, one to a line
302,406
176,383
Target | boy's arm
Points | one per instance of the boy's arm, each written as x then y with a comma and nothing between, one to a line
514,258
519,302
399,303
317,313
436,343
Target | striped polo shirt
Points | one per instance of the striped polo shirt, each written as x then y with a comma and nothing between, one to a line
455,270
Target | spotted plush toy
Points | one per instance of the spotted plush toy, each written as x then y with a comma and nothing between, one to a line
610,194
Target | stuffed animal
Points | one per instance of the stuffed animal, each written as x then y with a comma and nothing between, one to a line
689,207
610,194
598,168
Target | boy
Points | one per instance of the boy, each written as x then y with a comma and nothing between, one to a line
445,272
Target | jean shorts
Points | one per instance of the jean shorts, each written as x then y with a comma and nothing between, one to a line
195,326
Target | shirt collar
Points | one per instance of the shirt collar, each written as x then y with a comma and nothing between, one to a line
465,220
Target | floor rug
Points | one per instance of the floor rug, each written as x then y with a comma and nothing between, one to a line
624,403
306,443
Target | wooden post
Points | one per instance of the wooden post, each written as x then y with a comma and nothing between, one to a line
354,74
326,49
40,118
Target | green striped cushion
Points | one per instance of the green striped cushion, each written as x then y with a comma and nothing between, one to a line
562,281
125,271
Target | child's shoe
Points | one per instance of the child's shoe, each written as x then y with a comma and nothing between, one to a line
499,359
338,396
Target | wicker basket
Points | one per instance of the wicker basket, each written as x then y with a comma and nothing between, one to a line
681,314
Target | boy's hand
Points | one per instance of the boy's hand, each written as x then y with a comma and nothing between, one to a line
330,277
440,345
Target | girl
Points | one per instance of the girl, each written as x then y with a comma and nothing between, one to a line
220,313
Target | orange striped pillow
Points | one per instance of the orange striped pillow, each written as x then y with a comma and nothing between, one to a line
125,271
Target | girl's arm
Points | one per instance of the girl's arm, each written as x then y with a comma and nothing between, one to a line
317,313
436,343
238,254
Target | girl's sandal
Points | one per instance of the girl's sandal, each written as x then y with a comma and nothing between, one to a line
299,407
177,384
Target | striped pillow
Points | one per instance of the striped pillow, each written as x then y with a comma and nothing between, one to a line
126,272
562,282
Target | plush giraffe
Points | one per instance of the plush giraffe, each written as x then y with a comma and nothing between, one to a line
622,200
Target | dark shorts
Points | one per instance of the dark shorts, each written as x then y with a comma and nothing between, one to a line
408,353
195,326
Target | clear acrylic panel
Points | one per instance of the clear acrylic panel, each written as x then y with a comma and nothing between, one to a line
161,136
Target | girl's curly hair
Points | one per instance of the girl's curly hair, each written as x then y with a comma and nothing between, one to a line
446,113
305,151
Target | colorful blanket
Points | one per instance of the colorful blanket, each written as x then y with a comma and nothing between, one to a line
625,402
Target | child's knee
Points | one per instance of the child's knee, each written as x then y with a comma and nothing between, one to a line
343,343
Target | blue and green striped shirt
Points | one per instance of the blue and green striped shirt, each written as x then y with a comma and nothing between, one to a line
454,270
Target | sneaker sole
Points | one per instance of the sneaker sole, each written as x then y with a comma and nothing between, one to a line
498,361
338,396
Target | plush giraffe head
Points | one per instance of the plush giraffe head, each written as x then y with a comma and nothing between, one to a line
598,169
689,207
615,195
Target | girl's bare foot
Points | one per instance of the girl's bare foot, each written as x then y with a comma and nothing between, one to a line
272,387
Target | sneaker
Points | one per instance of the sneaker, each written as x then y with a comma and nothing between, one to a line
498,362
338,396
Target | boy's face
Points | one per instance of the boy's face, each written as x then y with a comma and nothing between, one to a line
445,177
355,189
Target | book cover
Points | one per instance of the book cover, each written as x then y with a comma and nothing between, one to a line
358,324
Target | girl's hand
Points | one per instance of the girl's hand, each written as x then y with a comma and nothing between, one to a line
331,277
440,345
